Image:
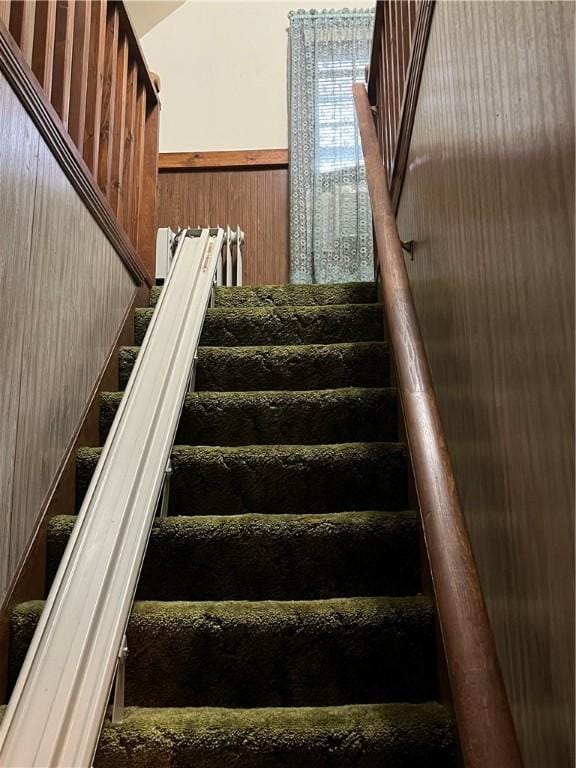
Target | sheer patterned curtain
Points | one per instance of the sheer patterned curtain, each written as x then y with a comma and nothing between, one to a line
330,218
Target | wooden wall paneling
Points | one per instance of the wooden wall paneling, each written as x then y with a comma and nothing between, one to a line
62,64
140,131
107,116
22,26
76,297
78,84
43,47
120,92
148,207
95,84
256,199
129,141
18,160
489,200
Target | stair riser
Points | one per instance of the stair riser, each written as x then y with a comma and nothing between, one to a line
282,325
334,416
278,368
272,558
252,655
277,479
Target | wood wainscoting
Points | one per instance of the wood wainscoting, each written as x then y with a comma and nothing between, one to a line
64,292
488,199
248,188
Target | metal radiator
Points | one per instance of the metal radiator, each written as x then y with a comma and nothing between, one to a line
229,267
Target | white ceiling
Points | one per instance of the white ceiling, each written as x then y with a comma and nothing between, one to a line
146,14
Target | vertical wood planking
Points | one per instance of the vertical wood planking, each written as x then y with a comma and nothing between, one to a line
18,160
94,85
107,116
489,199
78,85
43,46
22,26
254,198
129,148
148,210
120,89
62,64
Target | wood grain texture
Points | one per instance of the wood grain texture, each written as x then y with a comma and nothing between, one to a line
43,48
118,138
489,199
95,84
483,720
223,159
68,295
107,116
62,63
257,200
79,75
14,68
148,192
22,26
18,160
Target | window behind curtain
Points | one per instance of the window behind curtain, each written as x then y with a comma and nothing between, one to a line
330,220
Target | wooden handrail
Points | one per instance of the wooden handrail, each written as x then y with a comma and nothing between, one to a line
481,709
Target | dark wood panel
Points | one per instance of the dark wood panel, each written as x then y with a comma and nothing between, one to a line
257,200
223,159
489,200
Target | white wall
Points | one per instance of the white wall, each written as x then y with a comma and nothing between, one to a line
222,67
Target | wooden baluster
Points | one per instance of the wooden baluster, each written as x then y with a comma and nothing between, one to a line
108,102
43,46
129,141
147,215
119,124
22,26
78,85
94,84
135,213
62,65
5,12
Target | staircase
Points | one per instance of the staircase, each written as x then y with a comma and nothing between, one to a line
278,619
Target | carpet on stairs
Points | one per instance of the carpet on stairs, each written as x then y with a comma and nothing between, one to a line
279,619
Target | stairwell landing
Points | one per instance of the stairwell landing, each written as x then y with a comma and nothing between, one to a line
278,619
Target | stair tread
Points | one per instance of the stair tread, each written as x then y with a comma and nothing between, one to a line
239,326
291,294
368,735
258,556
283,367
271,653
305,416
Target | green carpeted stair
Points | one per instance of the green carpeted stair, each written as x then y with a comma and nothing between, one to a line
278,620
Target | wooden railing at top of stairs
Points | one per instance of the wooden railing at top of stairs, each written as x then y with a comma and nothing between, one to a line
79,71
482,713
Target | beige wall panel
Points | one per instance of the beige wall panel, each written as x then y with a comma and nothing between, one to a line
489,199
18,160
65,293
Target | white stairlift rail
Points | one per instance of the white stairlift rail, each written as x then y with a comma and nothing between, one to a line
229,271
55,714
